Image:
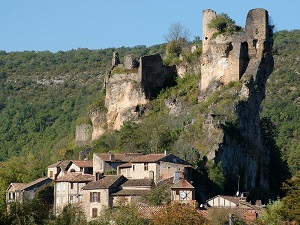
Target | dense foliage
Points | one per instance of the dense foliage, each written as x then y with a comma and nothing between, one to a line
43,96
282,103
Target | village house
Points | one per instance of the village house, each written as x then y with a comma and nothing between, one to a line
68,190
236,205
108,162
84,166
97,194
18,192
58,169
154,166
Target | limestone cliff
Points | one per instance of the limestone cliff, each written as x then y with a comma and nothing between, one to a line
127,93
247,57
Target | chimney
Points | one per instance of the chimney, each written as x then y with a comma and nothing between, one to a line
112,157
166,152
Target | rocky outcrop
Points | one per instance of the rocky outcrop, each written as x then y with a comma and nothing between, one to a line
247,57
126,94
98,118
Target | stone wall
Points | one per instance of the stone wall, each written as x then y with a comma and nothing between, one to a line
156,76
83,134
229,57
126,94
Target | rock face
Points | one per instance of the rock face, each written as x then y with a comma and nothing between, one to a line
83,134
245,56
126,94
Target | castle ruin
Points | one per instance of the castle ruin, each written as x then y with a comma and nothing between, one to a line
228,57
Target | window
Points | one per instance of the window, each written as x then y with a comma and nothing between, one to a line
94,196
51,174
94,212
146,166
72,185
133,167
71,198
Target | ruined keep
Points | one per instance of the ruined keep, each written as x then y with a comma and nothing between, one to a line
128,92
246,57
228,57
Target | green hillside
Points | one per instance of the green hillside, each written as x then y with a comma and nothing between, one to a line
44,95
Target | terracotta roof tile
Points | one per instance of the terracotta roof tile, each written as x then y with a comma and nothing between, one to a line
147,212
104,182
129,164
16,186
182,183
148,158
83,163
62,164
130,192
138,182
76,177
125,157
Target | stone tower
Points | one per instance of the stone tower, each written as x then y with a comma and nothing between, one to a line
207,33
228,57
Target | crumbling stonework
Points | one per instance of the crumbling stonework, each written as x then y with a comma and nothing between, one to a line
229,57
83,134
126,94
247,57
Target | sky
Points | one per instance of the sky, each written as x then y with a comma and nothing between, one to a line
62,25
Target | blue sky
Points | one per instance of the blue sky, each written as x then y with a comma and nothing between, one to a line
56,25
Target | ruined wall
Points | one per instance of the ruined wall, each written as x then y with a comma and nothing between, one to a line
228,57
245,56
156,76
83,134
126,94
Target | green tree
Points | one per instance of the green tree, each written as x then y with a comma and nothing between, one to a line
223,23
271,215
178,214
291,202
122,215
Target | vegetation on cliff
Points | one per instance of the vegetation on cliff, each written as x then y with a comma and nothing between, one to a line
44,95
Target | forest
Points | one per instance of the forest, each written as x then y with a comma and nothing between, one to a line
44,95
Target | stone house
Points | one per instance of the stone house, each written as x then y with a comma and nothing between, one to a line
68,190
58,169
236,205
132,190
17,192
104,162
84,166
96,195
154,166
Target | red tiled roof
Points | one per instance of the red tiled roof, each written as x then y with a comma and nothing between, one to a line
76,177
130,192
83,163
16,186
138,182
104,182
62,164
182,184
148,158
125,157
147,212
129,164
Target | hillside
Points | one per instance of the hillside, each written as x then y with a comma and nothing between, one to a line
45,95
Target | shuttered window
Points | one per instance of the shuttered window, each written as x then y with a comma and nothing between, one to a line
94,196
94,212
